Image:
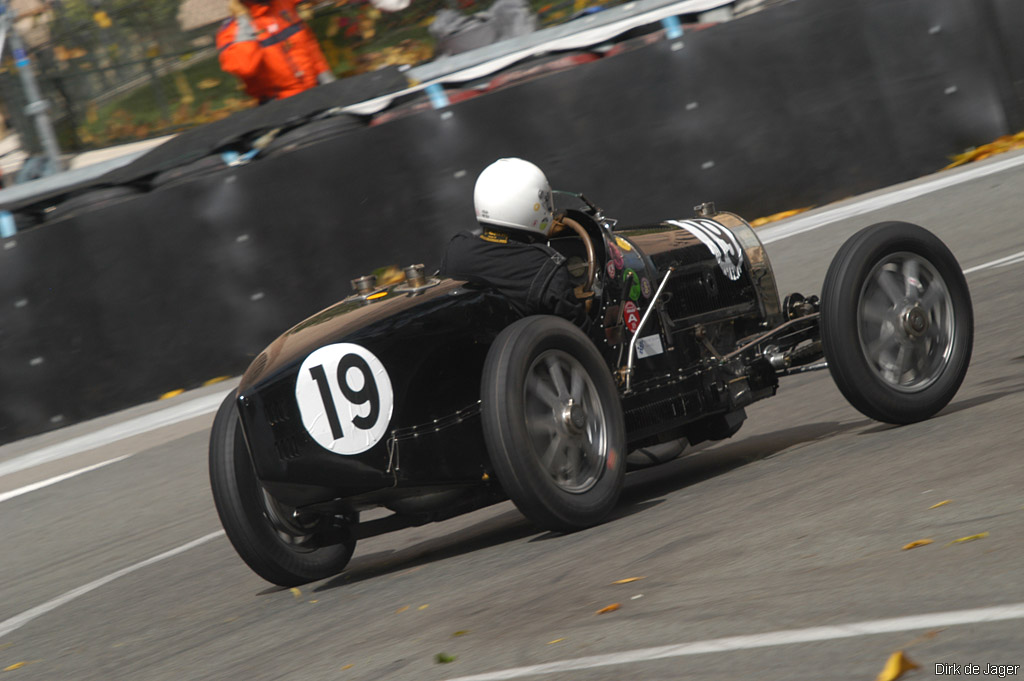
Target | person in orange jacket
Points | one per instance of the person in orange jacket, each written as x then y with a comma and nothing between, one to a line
271,49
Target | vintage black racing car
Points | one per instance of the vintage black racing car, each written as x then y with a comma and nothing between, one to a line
432,397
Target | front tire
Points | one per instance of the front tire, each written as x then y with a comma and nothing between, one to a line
553,424
897,324
279,547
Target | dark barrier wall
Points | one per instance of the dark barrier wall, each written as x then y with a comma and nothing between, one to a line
814,100
1006,17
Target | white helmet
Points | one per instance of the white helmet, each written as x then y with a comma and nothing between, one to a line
514,194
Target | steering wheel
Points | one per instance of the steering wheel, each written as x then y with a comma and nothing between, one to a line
586,289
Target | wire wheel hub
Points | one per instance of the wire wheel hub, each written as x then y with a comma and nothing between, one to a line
564,420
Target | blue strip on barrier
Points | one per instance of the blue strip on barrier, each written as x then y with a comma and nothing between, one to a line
7,226
437,96
233,158
673,28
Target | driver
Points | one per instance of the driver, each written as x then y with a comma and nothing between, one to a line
515,210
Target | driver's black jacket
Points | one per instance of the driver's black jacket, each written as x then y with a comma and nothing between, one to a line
533,276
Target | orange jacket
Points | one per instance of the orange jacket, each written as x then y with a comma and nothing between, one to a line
272,51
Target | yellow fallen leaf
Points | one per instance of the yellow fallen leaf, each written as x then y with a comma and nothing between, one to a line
423,607
557,640
915,544
972,537
897,665
16,665
760,222
627,580
296,592
461,632
941,503
999,146
315,600
171,393
608,608
402,609
348,666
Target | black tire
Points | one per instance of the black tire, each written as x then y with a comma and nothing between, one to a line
897,324
285,558
576,425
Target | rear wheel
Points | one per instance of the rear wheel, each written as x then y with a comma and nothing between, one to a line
553,424
280,545
897,323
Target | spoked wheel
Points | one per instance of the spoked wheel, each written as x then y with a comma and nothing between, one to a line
897,322
280,545
553,424
563,421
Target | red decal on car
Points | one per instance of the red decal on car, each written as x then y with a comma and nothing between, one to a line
631,315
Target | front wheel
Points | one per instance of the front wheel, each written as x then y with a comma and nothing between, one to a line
553,424
279,545
897,324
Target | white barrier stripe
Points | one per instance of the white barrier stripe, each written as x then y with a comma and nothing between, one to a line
59,478
18,621
775,638
136,426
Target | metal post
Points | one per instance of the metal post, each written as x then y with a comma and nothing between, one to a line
37,107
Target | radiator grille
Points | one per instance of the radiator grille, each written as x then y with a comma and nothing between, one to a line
290,447
281,411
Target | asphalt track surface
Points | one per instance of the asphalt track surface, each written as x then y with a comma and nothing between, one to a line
774,555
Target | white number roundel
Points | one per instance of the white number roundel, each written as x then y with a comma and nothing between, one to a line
345,398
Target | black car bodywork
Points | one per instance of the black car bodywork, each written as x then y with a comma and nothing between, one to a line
378,401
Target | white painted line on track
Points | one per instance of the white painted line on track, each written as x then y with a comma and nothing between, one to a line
799,225
140,425
774,638
1015,261
54,480
1001,262
18,621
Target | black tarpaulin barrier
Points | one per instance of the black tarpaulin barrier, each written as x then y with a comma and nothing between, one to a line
234,132
1006,31
118,301
283,113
